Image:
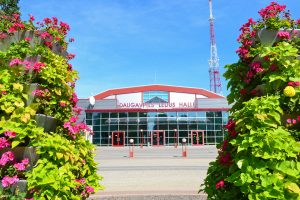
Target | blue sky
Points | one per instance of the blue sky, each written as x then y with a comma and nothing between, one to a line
122,43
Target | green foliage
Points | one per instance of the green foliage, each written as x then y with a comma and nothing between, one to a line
9,7
66,168
259,159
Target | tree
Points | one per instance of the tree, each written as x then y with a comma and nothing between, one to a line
9,7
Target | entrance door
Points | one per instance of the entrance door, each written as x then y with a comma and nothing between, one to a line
197,137
158,138
118,138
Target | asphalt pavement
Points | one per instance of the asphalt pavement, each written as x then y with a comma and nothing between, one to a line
153,172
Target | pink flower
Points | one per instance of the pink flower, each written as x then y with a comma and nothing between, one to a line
55,20
253,92
298,118
294,121
16,16
220,184
45,35
15,61
3,35
4,143
289,121
28,39
284,35
8,181
39,93
64,26
230,125
233,133
11,134
4,92
294,83
70,56
273,68
31,18
243,91
47,20
6,157
25,161
225,145
38,66
19,166
12,29
81,181
89,189
225,159
62,104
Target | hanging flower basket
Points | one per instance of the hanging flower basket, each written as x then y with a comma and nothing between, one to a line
15,38
21,153
267,37
47,122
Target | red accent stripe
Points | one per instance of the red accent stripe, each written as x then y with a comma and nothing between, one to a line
157,88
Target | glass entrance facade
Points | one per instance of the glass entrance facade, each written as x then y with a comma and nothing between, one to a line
172,126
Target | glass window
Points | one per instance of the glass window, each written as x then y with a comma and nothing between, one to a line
133,114
156,97
171,114
96,128
123,115
192,114
143,114
182,114
96,122
201,114
105,115
96,115
89,115
89,122
114,115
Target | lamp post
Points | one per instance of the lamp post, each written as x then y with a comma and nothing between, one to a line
184,153
92,101
109,138
142,138
176,138
131,141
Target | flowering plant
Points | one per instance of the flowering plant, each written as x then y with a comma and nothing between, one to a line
259,158
35,54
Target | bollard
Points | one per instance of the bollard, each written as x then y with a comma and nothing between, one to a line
142,139
131,141
184,153
176,138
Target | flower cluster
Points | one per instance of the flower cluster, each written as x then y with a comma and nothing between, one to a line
85,189
9,181
36,66
4,141
75,129
11,170
271,11
220,184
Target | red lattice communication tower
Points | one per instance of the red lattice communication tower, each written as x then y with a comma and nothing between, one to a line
214,72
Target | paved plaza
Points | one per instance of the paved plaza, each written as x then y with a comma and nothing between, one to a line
153,172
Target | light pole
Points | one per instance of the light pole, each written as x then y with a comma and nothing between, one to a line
184,153
176,138
92,101
131,141
142,138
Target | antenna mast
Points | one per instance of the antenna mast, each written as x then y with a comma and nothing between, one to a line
214,72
